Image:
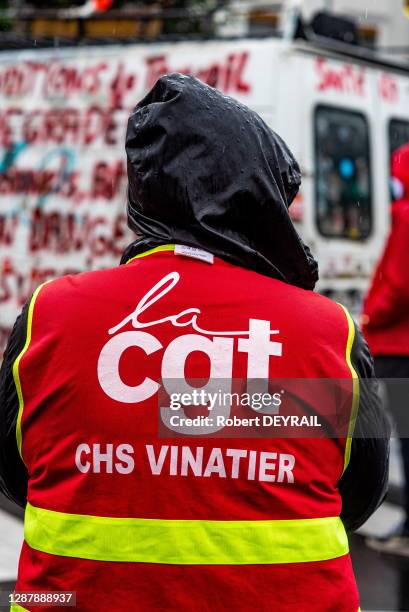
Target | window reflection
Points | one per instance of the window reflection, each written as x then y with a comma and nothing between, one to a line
343,184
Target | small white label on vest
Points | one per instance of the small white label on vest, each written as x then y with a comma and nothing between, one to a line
195,253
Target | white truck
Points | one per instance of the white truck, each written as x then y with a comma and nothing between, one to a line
63,169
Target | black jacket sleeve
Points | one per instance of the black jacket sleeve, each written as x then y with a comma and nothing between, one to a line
13,473
364,483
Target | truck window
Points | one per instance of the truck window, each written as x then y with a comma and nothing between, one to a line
398,134
343,192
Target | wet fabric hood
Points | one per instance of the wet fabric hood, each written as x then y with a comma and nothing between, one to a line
206,171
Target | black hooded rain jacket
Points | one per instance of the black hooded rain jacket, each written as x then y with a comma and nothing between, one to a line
206,171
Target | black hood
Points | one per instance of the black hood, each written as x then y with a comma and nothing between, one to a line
206,171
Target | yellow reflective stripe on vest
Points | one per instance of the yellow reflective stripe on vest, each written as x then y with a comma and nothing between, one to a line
184,542
158,249
355,387
17,608
16,366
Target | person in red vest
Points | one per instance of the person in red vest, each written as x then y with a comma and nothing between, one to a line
386,327
122,502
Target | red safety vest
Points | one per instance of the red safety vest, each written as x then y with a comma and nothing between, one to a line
127,518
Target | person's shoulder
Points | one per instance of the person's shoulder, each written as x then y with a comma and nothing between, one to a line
400,211
308,302
321,305
306,295
63,287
